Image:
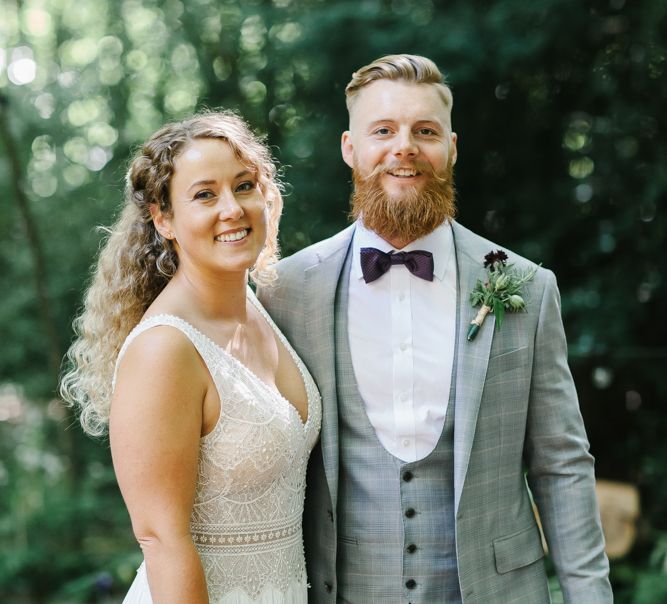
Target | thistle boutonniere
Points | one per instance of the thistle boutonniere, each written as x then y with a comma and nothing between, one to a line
501,292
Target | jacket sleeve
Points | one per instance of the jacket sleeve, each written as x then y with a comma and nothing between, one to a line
560,467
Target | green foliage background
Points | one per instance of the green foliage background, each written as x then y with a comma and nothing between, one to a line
559,108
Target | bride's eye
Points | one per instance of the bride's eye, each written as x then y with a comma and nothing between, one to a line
246,186
204,195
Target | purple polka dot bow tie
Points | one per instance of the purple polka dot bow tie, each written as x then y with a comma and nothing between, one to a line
375,263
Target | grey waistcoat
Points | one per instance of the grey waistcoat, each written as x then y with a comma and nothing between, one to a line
396,532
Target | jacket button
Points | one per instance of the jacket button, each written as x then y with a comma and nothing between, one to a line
411,549
328,587
409,513
411,583
407,476
330,515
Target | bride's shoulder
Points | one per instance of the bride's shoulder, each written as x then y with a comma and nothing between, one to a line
159,347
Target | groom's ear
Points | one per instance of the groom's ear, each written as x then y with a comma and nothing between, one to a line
346,148
453,151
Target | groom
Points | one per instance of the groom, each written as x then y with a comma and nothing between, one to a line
417,491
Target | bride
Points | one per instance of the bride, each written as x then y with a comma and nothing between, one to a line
210,413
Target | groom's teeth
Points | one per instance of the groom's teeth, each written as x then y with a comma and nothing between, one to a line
232,236
403,172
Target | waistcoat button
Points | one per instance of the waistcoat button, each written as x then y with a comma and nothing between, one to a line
407,476
411,583
328,586
409,513
411,549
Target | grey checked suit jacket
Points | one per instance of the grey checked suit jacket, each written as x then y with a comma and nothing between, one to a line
516,418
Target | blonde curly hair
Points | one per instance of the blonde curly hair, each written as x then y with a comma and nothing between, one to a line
136,262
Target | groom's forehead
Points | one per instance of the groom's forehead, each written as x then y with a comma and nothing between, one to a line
399,100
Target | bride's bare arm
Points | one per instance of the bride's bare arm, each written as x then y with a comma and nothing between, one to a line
155,426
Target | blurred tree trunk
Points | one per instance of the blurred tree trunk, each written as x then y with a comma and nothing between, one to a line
54,352
73,535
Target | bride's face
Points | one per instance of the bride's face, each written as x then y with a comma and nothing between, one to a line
218,219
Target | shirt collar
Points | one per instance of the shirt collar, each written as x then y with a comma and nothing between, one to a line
440,242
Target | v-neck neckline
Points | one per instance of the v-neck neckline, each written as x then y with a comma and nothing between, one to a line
271,390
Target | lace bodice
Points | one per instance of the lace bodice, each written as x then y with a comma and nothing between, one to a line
246,519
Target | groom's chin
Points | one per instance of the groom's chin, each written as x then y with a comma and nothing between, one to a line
397,192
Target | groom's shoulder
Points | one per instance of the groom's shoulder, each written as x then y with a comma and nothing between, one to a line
315,253
291,271
475,247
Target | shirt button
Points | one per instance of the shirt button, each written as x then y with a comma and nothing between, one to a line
407,476
410,512
404,397
401,296
403,346
406,442
411,549
411,583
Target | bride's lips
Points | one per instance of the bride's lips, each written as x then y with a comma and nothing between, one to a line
233,235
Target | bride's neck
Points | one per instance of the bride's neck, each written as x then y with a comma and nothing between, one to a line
221,298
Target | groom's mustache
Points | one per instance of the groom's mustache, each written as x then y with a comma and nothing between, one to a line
421,167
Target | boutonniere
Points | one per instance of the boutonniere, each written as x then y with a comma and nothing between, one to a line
500,292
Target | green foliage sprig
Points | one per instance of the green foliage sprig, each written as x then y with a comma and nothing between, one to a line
501,292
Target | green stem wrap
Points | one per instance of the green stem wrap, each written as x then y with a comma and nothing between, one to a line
476,323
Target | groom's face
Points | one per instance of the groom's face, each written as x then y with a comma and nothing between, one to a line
401,132
402,152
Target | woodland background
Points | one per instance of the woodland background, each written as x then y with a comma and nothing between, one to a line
560,112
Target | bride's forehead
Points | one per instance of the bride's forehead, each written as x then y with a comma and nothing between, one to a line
192,154
207,153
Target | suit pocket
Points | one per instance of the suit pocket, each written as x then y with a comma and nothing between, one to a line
518,550
505,361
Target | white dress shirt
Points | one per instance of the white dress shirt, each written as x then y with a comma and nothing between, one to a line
401,330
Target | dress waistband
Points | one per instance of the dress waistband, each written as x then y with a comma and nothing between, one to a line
245,534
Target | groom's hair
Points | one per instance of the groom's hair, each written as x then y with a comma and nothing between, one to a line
408,68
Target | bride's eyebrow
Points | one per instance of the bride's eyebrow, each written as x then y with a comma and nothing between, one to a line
200,183
208,181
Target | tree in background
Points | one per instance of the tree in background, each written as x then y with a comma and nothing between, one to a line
559,112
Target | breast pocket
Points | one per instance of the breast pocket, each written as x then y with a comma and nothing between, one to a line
506,361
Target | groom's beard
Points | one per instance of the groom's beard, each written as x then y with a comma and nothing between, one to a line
409,216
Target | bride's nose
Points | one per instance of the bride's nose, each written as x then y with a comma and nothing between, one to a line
228,207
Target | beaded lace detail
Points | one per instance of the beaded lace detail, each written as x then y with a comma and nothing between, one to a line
246,519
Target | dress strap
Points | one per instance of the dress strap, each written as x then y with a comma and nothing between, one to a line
267,317
199,340
312,393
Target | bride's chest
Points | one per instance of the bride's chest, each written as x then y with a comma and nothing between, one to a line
258,442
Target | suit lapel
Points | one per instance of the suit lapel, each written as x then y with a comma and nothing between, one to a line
472,357
321,282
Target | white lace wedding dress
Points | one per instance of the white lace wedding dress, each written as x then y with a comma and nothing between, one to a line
246,520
